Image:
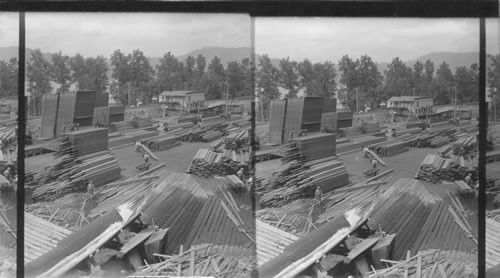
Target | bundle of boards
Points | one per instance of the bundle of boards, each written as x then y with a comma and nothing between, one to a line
207,163
435,168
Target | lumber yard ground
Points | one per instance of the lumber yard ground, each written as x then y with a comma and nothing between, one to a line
180,223
432,225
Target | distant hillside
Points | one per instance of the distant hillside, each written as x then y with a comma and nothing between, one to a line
455,60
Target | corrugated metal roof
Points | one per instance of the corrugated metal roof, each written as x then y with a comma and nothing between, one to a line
492,243
40,236
178,93
407,98
271,241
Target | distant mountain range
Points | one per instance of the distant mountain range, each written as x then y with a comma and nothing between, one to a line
239,53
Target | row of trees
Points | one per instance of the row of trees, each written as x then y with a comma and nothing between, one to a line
130,76
360,79
8,77
360,82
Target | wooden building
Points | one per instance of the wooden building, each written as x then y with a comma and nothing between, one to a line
182,100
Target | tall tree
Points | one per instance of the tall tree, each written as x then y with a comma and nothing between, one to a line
214,80
142,74
323,83
61,71
79,71
306,76
8,77
267,78
349,79
38,72
288,76
201,63
370,80
398,79
97,73
428,77
444,85
236,78
494,77
417,79
169,75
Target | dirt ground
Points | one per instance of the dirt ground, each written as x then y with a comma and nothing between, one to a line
405,165
177,159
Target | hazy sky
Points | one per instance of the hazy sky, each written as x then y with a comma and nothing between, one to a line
320,39
9,29
153,33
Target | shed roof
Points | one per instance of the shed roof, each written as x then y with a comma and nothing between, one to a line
179,93
407,98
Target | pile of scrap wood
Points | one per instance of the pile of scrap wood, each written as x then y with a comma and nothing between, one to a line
310,147
73,173
200,260
431,264
207,163
435,168
237,140
299,179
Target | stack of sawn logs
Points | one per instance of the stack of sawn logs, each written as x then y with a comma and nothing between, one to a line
236,140
300,179
207,163
310,147
435,168
390,148
87,141
73,173
465,145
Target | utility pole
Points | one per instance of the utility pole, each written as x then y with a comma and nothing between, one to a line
128,90
455,114
357,101
227,95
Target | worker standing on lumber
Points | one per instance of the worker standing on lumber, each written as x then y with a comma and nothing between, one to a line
365,151
239,174
137,145
374,163
146,158
468,179
6,173
318,194
90,189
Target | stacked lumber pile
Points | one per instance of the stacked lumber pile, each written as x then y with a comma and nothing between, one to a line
242,123
181,125
201,260
141,123
73,174
439,141
299,180
420,141
392,148
162,142
207,163
86,141
465,145
139,135
212,120
358,143
310,147
120,126
435,168
211,135
360,130
119,141
217,145
236,140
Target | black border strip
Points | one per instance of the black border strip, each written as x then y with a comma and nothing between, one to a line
483,129
21,131
377,8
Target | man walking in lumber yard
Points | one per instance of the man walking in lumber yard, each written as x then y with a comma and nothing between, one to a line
318,194
374,163
90,189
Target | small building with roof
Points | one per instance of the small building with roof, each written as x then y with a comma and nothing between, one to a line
419,105
182,100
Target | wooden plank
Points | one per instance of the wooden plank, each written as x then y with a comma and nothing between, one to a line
146,149
126,182
362,247
377,157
